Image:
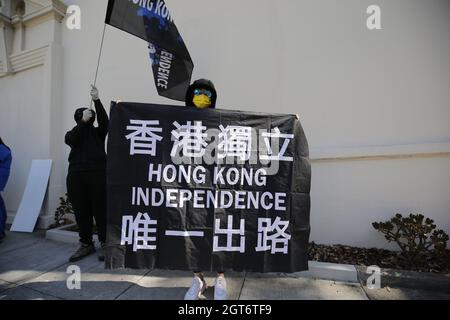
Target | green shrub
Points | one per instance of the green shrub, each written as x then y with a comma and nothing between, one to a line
65,207
419,240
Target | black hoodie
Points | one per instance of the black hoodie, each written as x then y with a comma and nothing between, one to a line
88,142
201,84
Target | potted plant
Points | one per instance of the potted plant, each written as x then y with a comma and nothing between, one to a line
62,213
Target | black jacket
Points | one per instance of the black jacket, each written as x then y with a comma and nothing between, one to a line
201,84
88,143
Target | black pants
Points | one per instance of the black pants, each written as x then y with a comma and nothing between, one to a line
87,193
3,215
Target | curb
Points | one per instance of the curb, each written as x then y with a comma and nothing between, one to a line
62,235
408,279
330,271
324,270
317,270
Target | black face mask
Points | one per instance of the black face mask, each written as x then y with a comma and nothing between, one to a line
79,115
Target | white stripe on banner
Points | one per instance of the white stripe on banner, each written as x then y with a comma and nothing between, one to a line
185,233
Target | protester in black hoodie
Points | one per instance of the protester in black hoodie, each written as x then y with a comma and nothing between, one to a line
202,95
86,181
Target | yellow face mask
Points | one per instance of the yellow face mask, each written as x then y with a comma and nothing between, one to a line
202,101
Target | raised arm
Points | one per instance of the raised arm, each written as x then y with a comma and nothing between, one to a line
102,116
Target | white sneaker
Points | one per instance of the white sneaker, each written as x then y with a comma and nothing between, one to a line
220,289
197,288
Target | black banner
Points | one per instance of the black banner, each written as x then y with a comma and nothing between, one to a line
151,20
210,190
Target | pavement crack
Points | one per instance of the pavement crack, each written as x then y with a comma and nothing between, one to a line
32,289
19,247
242,287
131,285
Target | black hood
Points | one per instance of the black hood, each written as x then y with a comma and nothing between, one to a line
201,84
79,115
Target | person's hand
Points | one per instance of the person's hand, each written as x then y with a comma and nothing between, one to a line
87,115
298,117
94,92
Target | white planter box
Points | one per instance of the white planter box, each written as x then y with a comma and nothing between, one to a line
61,234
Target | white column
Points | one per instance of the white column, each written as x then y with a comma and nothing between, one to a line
19,37
5,50
52,99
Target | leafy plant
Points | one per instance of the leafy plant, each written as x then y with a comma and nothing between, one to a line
65,207
419,240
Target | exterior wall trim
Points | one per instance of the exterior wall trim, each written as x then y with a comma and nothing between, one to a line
428,150
28,59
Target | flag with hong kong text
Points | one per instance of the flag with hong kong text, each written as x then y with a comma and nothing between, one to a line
151,21
207,190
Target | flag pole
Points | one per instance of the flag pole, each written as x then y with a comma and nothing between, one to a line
99,57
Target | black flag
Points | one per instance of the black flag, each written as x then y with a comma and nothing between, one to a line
150,20
242,203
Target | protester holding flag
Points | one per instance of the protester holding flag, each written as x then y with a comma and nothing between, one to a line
5,166
136,241
202,95
86,181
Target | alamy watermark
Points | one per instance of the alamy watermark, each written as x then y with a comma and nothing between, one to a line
374,280
374,20
73,281
73,17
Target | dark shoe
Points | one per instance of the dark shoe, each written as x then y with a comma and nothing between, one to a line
101,252
83,251
2,237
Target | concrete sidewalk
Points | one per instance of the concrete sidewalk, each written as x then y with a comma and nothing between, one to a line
32,267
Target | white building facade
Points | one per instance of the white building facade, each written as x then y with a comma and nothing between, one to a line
375,104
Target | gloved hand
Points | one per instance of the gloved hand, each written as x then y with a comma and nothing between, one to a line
94,92
87,115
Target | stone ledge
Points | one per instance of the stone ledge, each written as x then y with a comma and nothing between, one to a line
329,271
62,235
409,279
326,271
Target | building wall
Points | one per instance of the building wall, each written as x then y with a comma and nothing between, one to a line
23,128
347,196
30,92
374,104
